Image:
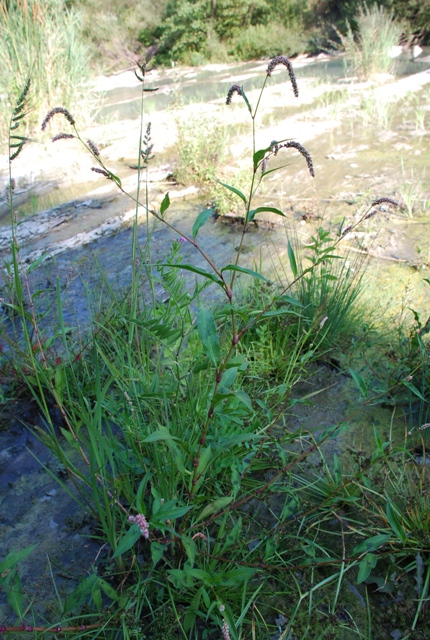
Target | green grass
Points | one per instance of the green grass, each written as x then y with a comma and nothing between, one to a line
368,50
41,40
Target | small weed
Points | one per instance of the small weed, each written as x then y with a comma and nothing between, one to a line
412,193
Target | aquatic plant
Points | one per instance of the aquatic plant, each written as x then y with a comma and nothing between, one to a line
204,501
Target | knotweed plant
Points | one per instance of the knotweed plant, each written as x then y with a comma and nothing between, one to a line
192,481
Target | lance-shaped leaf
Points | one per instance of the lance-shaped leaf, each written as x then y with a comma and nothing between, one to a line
365,567
208,334
254,212
414,390
191,267
258,156
292,259
393,519
246,101
201,220
371,544
236,191
216,505
249,272
130,538
165,204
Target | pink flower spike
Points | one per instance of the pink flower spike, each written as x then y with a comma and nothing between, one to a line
142,523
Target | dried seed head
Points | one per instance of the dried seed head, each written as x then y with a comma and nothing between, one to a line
93,147
63,136
385,200
54,111
102,171
235,88
287,63
291,144
346,230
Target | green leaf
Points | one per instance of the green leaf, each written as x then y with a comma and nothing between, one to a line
213,507
414,390
394,521
227,380
244,398
281,312
115,178
160,434
205,458
165,204
169,513
236,191
180,578
258,156
246,101
249,272
108,590
201,220
70,438
190,267
254,212
371,544
190,548
232,578
130,538
14,557
292,259
14,595
360,382
287,164
337,470
208,334
96,596
157,550
289,299
79,595
365,567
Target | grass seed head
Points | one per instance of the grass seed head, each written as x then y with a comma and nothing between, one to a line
93,148
287,63
53,112
62,136
235,88
102,171
386,201
292,144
